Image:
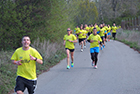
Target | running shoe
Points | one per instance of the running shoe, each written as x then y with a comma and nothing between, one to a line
95,67
68,67
84,47
101,48
72,64
81,50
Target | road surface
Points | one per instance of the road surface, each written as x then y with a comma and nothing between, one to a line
118,73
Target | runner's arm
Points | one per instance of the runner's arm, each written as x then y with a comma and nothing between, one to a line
75,41
16,62
36,59
64,42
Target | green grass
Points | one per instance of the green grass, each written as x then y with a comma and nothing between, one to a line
133,45
7,72
130,38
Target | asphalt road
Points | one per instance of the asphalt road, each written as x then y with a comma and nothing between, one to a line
118,73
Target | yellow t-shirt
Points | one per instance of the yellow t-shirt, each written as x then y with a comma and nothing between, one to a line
98,28
105,29
91,29
28,67
96,38
87,28
114,28
102,32
77,29
83,34
69,45
108,29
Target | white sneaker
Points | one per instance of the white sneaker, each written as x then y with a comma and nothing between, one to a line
81,50
84,47
95,67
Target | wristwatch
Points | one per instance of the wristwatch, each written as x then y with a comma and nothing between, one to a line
35,59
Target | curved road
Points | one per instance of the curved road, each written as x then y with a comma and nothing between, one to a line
118,73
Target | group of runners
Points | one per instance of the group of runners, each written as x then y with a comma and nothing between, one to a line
26,57
96,35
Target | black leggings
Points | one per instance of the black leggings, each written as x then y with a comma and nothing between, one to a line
114,35
102,40
94,57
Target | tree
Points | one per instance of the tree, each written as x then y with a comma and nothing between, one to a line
88,13
112,10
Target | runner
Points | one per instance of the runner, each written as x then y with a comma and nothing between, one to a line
82,26
94,40
69,40
97,27
91,28
101,33
89,31
114,28
108,32
25,58
76,30
105,28
81,36
85,32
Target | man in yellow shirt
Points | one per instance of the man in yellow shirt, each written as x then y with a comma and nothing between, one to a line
82,37
108,32
86,27
89,31
85,31
102,35
105,28
91,28
69,40
94,40
114,28
76,30
25,58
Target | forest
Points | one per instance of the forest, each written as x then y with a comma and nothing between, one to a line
48,19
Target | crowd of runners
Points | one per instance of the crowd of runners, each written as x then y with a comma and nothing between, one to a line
26,57
96,35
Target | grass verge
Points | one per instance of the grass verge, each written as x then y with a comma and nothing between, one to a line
130,38
133,45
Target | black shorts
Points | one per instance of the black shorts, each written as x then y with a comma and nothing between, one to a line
102,39
80,40
105,36
113,34
71,50
89,33
22,83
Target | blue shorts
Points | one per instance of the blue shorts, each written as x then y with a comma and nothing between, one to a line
95,49
98,32
109,33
